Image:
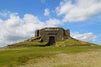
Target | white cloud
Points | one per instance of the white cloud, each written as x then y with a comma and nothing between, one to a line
46,12
53,22
89,37
16,29
79,10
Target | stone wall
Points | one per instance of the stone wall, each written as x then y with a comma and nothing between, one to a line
57,33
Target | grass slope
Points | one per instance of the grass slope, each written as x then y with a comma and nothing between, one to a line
67,42
28,44
49,56
73,42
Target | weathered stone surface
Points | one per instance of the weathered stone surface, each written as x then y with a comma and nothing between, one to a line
51,34
56,32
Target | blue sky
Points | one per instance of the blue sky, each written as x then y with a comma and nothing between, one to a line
20,18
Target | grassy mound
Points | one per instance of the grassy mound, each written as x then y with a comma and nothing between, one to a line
37,43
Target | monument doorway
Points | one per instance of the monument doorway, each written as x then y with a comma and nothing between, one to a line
51,40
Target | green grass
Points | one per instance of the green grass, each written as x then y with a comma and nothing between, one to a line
12,57
72,42
37,43
27,44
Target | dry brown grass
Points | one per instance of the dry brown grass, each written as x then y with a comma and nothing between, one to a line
82,59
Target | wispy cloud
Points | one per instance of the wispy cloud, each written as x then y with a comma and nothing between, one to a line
78,11
46,12
4,13
89,36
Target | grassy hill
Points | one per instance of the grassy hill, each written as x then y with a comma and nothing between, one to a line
71,56
37,43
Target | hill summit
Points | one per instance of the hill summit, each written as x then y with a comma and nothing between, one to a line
52,36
